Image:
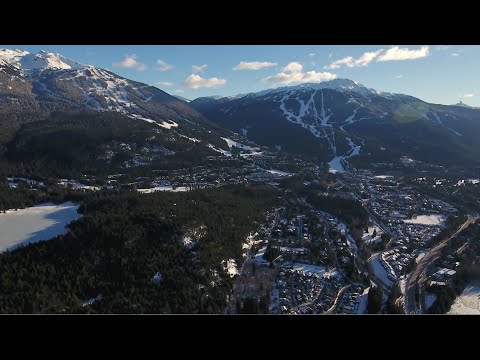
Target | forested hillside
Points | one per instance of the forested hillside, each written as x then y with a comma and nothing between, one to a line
124,239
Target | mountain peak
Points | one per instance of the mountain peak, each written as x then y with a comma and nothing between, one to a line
42,60
462,104
336,84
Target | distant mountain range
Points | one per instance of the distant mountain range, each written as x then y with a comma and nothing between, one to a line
339,122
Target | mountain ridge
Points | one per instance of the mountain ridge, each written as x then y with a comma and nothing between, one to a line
341,121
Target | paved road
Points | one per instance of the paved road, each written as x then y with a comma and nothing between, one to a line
337,301
423,264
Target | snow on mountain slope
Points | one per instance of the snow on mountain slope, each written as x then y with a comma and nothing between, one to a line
43,60
49,81
343,85
340,119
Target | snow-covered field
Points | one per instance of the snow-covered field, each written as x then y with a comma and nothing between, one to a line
363,301
432,220
163,188
335,166
368,237
379,270
468,303
41,222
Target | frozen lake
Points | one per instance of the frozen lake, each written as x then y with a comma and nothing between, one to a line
41,222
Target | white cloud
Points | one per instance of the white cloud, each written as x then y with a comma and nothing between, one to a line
312,54
293,67
468,95
399,76
179,91
164,83
442,47
293,73
397,53
130,62
365,59
196,69
330,55
195,81
253,65
455,54
163,66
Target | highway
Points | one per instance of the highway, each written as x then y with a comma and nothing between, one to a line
419,273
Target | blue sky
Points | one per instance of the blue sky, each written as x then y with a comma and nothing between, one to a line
435,73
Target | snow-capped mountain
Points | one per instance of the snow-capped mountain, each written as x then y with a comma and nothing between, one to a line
27,62
341,121
46,81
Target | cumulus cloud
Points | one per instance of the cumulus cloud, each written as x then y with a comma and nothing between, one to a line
253,65
163,66
468,95
293,67
442,47
179,91
164,83
196,69
130,62
398,53
293,73
394,53
365,59
312,54
455,54
399,76
194,81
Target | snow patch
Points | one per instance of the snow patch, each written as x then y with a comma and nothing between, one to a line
379,270
167,124
190,138
468,303
431,220
230,267
363,302
279,172
163,188
455,132
335,166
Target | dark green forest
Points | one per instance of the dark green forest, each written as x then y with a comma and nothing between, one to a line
70,144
